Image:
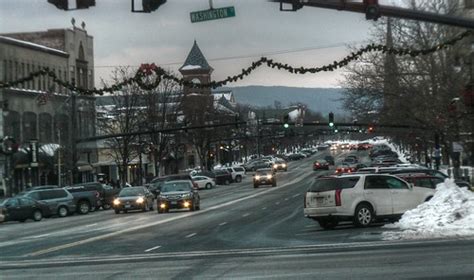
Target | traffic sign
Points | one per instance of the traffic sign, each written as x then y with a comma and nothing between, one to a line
212,14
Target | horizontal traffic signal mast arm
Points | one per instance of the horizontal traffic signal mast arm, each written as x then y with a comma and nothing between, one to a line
389,11
352,125
173,129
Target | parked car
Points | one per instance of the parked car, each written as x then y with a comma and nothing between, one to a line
223,177
422,180
264,176
407,171
296,156
253,166
60,201
178,195
320,164
237,173
156,184
134,198
84,198
204,182
361,198
23,208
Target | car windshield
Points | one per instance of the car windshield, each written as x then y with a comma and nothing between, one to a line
176,187
131,192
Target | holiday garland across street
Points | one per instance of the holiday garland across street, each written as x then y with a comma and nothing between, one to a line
143,76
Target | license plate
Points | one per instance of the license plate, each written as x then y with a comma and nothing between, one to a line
319,199
173,203
127,206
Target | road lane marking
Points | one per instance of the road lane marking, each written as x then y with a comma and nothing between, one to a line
151,249
277,203
246,215
190,235
148,225
264,208
222,224
286,199
296,195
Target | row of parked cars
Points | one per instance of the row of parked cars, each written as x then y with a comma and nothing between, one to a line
45,201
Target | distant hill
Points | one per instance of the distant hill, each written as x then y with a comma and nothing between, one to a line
322,100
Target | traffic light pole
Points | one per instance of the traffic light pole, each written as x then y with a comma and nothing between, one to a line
388,11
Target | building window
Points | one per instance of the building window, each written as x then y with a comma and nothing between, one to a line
45,125
29,126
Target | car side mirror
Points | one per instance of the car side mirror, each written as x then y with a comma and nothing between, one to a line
411,186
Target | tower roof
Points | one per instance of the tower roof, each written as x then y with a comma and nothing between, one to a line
195,60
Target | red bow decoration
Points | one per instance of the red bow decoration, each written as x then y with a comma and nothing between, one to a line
148,69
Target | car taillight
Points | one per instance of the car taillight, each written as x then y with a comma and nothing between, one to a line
338,197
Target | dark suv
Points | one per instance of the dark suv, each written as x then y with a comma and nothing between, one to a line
264,176
178,195
156,184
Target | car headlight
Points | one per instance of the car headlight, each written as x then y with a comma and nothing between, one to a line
116,201
269,176
140,200
257,177
283,165
275,166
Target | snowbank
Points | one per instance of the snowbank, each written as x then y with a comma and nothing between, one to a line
450,213
379,141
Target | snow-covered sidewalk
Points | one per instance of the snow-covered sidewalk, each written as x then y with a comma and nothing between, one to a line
450,213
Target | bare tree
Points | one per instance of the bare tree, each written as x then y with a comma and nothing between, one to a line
123,116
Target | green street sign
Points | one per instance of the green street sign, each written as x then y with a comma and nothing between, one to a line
212,14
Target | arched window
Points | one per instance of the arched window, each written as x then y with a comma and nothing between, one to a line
13,125
81,55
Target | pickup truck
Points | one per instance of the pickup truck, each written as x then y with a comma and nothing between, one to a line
85,200
106,194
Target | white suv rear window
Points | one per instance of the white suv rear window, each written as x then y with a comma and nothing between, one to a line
330,184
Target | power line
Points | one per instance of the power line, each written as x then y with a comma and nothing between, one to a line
279,52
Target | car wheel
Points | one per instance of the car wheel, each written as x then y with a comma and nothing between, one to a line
22,220
145,207
160,211
238,179
328,223
363,215
198,205
193,207
208,186
106,206
255,186
117,211
152,207
37,216
125,211
83,207
62,211
274,184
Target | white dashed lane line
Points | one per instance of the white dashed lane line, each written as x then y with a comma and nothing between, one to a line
246,214
296,195
151,249
190,235
264,208
222,224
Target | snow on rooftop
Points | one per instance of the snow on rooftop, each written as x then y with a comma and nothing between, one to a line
26,43
450,213
191,67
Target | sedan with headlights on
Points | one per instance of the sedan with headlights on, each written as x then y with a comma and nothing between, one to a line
280,165
178,195
265,176
134,198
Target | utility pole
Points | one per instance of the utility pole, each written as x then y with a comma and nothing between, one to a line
59,157
73,135
258,137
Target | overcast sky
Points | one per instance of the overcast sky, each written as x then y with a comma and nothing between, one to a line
311,37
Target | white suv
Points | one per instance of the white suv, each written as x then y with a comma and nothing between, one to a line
238,173
361,198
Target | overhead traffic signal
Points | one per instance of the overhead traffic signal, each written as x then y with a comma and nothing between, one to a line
68,5
151,5
331,119
372,10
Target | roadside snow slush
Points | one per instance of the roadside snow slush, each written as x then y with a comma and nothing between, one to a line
450,213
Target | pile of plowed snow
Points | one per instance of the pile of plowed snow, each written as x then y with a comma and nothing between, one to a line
450,213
